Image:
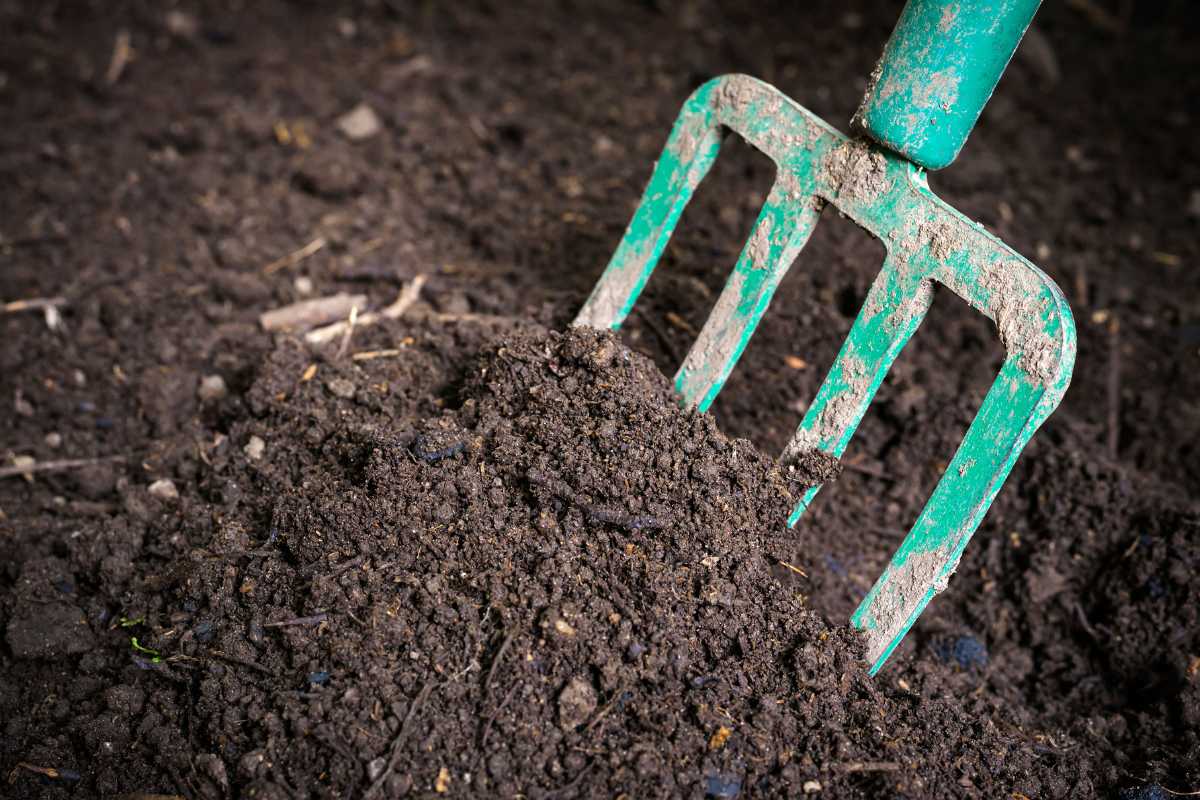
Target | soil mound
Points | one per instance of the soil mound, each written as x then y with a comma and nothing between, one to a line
524,571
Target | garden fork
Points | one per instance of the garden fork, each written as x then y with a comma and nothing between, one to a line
937,72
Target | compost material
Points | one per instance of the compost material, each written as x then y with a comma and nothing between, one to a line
454,550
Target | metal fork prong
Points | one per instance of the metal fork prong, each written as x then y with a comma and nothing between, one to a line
892,312
687,157
1012,410
781,231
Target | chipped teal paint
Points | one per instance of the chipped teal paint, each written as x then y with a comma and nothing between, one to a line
937,72
927,243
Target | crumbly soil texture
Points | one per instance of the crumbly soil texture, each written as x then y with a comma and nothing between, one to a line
474,551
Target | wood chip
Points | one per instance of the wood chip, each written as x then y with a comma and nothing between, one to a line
719,738
795,362
360,123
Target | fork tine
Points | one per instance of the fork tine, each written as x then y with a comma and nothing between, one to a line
1012,410
867,354
782,229
687,157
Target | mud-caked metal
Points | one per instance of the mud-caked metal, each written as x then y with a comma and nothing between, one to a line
927,242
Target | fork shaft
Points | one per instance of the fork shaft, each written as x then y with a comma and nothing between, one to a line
937,73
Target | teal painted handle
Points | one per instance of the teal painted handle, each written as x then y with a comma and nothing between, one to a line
937,73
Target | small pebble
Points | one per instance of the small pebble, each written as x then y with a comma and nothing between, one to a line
304,285
125,697
255,448
24,462
811,787
426,451
212,767
360,123
340,387
54,440
164,489
22,406
212,387
576,702
182,24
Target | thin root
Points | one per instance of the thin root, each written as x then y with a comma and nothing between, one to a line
53,466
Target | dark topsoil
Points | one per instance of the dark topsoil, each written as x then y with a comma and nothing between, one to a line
474,554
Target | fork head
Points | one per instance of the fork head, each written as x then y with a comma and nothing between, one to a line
927,243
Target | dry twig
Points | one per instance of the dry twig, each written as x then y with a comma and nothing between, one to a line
33,304
53,773
350,323
121,56
315,619
398,742
53,466
47,305
870,766
371,355
295,257
487,684
793,568
408,295
308,314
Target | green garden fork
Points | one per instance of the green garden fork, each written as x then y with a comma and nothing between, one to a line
937,72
